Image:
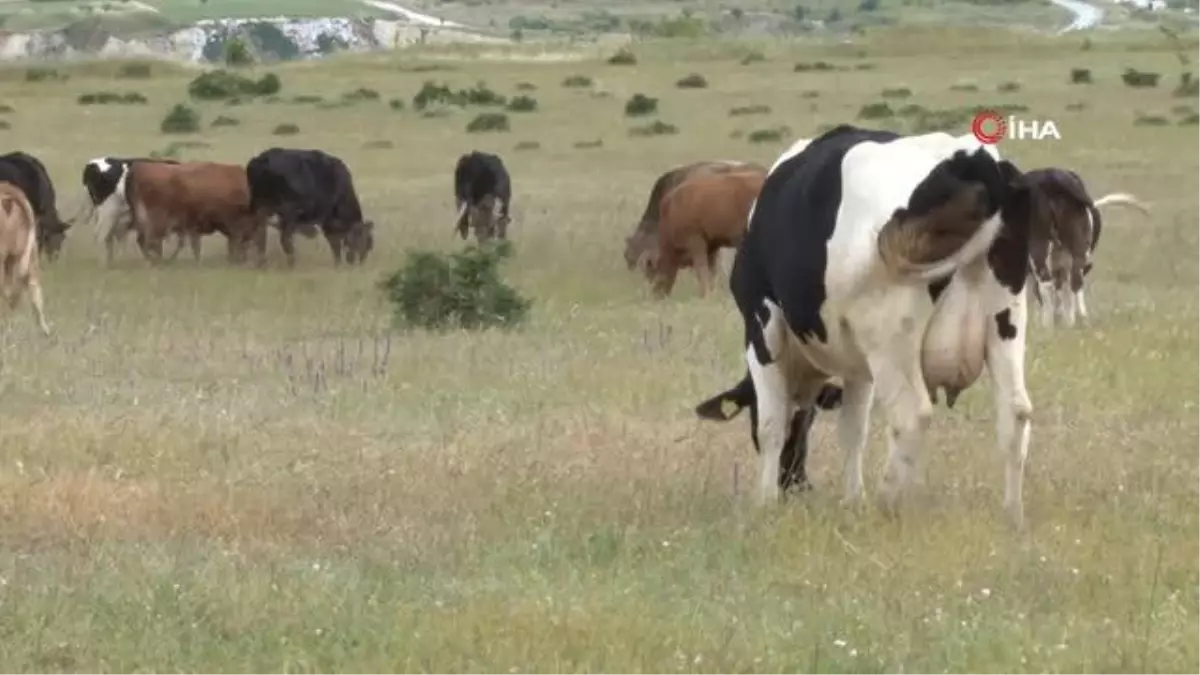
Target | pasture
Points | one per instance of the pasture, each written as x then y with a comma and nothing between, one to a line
209,468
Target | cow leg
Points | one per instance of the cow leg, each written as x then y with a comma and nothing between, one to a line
288,246
698,252
260,245
853,426
194,240
1077,302
794,458
773,403
335,247
1014,411
37,302
664,276
902,388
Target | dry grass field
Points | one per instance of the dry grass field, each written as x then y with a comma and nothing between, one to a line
217,469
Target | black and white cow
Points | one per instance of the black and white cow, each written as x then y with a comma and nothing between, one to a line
480,181
29,174
104,178
897,265
303,190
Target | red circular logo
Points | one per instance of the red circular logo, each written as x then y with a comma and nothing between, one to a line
989,127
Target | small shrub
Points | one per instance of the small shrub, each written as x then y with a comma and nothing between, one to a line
864,66
460,290
526,86
756,109
964,86
692,81
815,66
307,98
1081,76
523,103
1190,120
223,84
135,71
379,144
6,108
396,104
768,135
286,129
432,93
1150,121
897,92
38,74
107,97
1008,87
640,104
527,145
655,128
753,57
360,94
238,53
1188,86
623,57
225,121
488,121
875,111
181,119
587,145
912,110
1076,107
1183,110
1139,79
577,81
810,93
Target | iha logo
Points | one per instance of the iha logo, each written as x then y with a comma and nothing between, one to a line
990,128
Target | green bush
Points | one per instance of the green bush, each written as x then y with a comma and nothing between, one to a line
897,92
308,98
815,66
225,121
527,145
964,86
1081,76
655,128
1139,79
1076,107
238,53
361,94
181,119
379,144
223,84
286,129
38,74
432,93
587,145
577,81
460,290
1190,120
768,135
756,109
640,104
526,86
523,103
107,97
1008,87
135,71
488,121
6,108
5,125
875,111
693,81
396,104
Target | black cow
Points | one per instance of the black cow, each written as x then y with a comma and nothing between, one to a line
302,190
480,180
28,173
104,179
896,264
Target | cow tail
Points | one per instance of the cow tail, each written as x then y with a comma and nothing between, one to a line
742,395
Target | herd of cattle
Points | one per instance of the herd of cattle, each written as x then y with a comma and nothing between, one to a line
868,265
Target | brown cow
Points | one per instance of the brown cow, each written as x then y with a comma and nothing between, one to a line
645,235
697,219
193,199
19,251
1064,232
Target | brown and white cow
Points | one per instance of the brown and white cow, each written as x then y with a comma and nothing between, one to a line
1064,232
193,199
19,251
698,218
645,236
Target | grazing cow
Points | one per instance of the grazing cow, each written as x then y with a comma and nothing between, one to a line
1065,230
698,218
898,265
191,199
303,190
645,235
19,251
481,183
105,179
28,173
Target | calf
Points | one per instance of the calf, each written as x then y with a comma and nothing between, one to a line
19,251
303,190
481,183
645,234
191,199
105,179
697,219
28,173
896,264
1065,230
